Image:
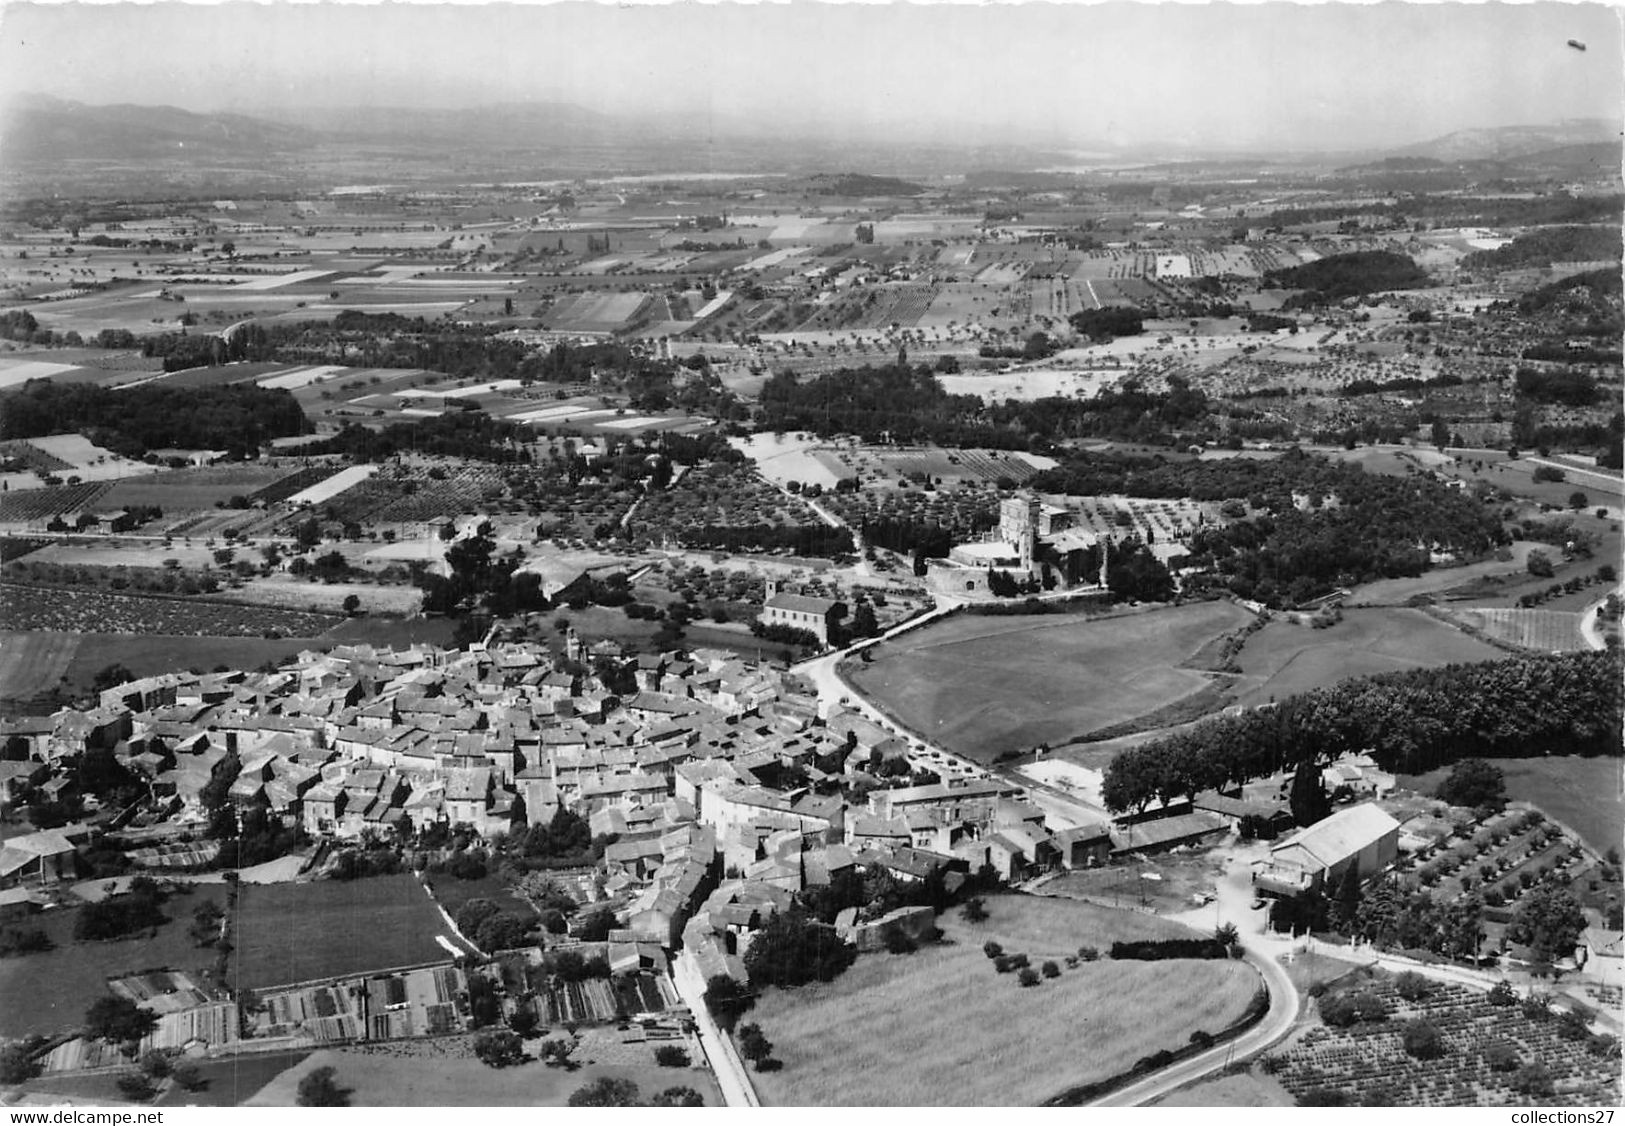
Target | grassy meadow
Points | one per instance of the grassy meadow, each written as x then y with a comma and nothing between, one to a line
941,1028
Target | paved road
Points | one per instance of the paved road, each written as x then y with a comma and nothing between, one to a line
1588,622
719,1050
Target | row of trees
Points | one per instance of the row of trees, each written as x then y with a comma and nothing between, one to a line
131,421
1411,721
903,404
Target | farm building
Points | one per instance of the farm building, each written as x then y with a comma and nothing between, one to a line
1167,833
798,611
43,857
1362,836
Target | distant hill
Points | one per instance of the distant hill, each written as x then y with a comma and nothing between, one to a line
1514,141
1398,164
521,125
855,184
41,128
1595,156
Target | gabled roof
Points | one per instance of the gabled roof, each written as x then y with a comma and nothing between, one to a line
801,603
1341,835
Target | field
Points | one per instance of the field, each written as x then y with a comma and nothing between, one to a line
983,686
34,662
191,490
49,992
1582,793
968,465
1368,1065
842,1042
84,611
1284,659
455,1078
288,933
1549,631
594,312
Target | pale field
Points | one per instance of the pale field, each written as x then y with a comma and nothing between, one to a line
300,377
1025,386
975,1037
333,486
294,594
129,554
14,372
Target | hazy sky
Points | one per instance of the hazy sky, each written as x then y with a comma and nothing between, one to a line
1329,75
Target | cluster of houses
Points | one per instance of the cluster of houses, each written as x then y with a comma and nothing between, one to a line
725,789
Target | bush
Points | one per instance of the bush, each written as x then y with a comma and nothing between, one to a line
1348,1009
1501,994
1156,950
1533,1079
678,1096
31,940
1412,986
1006,963
897,940
992,949
499,1048
17,1064
1502,1057
156,1064
1027,977
1051,969
606,1091
318,1089
138,1087
1423,1040
1088,953
670,1055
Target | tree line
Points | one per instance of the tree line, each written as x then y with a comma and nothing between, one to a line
1410,721
131,421
907,405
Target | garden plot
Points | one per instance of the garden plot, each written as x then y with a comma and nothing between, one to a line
334,485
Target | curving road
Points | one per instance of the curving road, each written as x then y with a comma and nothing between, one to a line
1233,905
